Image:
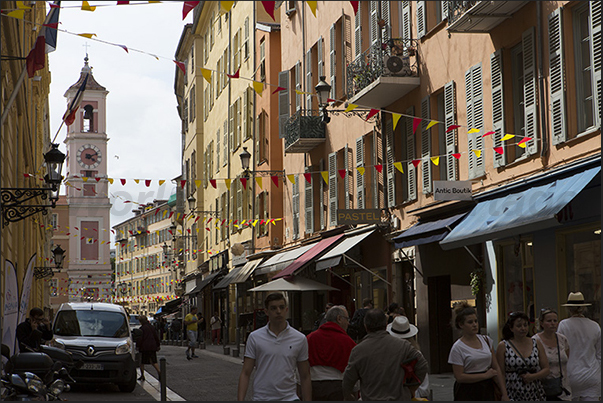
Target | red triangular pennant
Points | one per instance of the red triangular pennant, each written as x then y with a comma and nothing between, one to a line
278,89
147,182
342,173
213,183
355,6
499,150
416,162
235,75
181,66
415,124
379,168
269,7
182,183
123,182
244,182
457,155
451,128
308,177
372,113
274,180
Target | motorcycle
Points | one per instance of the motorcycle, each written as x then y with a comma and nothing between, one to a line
37,376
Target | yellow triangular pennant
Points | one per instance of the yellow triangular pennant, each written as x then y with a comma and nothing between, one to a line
435,160
398,166
350,107
161,182
258,87
197,182
522,145
312,5
206,74
89,36
225,6
87,7
137,181
17,14
395,118
478,153
258,180
85,178
325,176
227,182
431,124
473,131
507,137
110,180
361,170
291,178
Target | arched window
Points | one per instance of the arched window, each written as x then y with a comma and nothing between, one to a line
88,118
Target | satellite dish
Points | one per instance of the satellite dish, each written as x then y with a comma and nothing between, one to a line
394,64
237,249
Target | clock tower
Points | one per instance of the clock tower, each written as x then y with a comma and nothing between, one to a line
89,265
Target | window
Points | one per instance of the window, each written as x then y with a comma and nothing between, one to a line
517,97
584,70
54,221
211,31
192,109
309,203
88,174
262,213
475,120
429,15
219,23
247,114
88,121
245,50
225,143
295,209
263,60
236,43
262,137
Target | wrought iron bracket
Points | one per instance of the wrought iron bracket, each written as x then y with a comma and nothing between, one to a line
43,272
12,200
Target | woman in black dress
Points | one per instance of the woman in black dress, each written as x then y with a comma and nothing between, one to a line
148,345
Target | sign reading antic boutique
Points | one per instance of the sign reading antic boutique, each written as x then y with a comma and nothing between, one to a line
353,217
452,190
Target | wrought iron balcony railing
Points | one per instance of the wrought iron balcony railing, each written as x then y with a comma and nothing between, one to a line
304,131
397,57
457,8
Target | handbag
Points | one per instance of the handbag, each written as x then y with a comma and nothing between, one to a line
554,386
497,392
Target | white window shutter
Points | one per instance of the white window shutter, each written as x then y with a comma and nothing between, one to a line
406,20
321,212
231,128
308,88
475,118
450,119
218,150
346,180
444,8
239,122
309,205
389,163
358,32
425,146
298,81
595,52
283,102
421,20
333,61
374,27
376,175
469,108
529,89
333,189
386,16
295,209
556,74
249,117
244,120
359,178
410,155
498,108
321,65
225,145
239,190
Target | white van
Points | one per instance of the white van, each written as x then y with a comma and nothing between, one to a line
98,334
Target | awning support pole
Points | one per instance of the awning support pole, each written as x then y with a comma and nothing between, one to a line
412,261
337,275
365,268
468,251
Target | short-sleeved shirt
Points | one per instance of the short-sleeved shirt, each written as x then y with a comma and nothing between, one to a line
276,359
472,360
192,326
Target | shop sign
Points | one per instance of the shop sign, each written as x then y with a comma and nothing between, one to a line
452,190
356,216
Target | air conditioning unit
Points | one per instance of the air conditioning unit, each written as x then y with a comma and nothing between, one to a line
397,66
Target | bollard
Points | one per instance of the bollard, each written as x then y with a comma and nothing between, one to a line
226,350
162,379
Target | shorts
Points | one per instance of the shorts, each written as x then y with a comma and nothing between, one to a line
148,357
192,337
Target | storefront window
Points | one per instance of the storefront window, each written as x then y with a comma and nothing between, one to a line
583,268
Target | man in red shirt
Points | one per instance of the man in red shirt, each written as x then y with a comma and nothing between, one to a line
329,349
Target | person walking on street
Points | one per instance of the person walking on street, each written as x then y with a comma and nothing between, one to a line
523,359
584,337
176,328
321,318
393,311
356,330
215,324
556,385
474,364
276,350
329,350
201,326
190,322
403,329
34,331
382,363
148,344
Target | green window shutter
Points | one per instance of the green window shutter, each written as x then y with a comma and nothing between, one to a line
346,180
410,155
556,74
320,57
309,80
425,146
359,178
389,164
332,189
283,102
421,20
595,52
450,119
309,204
498,107
529,89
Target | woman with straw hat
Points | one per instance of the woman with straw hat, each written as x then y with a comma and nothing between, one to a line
584,336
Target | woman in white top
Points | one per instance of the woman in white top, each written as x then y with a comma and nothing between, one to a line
584,336
474,364
556,347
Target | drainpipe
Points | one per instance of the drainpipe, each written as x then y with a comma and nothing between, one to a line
541,85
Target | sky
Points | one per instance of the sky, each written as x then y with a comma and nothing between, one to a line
142,120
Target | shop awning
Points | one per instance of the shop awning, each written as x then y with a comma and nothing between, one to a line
246,271
516,213
233,274
333,257
309,256
295,283
282,260
206,281
171,306
426,232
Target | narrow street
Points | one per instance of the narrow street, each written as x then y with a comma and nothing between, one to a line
211,377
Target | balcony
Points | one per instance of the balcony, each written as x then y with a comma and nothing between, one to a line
384,73
140,230
304,131
480,16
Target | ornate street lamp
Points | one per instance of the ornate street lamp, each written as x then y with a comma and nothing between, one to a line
323,90
47,272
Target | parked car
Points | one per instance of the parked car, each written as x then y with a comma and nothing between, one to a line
98,334
134,322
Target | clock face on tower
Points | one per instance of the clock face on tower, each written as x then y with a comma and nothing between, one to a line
89,156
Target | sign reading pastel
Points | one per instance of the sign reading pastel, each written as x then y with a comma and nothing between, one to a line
359,216
452,190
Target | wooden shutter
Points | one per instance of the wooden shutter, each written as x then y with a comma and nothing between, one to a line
377,157
450,119
283,102
421,20
425,146
225,145
406,20
374,27
308,88
595,53
218,150
529,89
239,122
386,16
498,108
359,178
298,81
346,179
320,60
358,32
410,155
556,74
333,61
309,204
389,163
231,126
239,192
295,209
333,189
321,208
244,114
475,118
266,211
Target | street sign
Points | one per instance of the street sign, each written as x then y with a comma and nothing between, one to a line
452,190
356,216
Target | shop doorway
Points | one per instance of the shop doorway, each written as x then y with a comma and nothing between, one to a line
440,330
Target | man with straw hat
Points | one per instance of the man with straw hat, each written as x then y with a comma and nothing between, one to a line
584,336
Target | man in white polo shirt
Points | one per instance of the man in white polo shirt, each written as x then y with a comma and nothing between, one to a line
276,350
